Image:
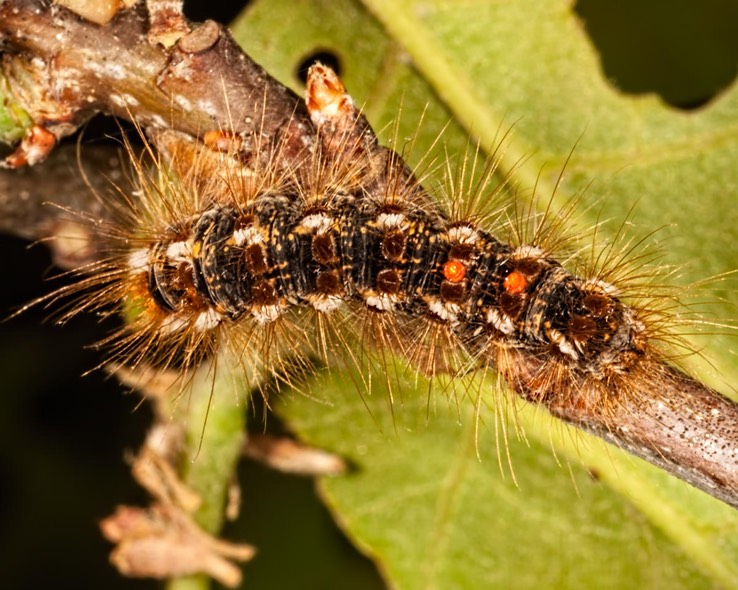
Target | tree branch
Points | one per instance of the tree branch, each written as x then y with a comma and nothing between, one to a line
63,70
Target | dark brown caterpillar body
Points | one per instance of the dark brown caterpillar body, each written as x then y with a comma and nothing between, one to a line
252,264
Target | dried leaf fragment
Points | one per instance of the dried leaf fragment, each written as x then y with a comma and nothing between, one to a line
163,541
289,456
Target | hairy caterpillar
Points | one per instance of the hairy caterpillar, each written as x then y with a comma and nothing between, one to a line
249,258
164,271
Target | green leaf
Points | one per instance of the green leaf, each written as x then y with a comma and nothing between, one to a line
13,119
558,509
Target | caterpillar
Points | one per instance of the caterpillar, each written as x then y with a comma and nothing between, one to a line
247,258
546,330
228,251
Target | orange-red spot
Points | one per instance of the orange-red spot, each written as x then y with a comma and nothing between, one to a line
454,271
515,282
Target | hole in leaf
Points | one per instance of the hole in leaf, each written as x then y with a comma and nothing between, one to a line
324,56
684,51
222,12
